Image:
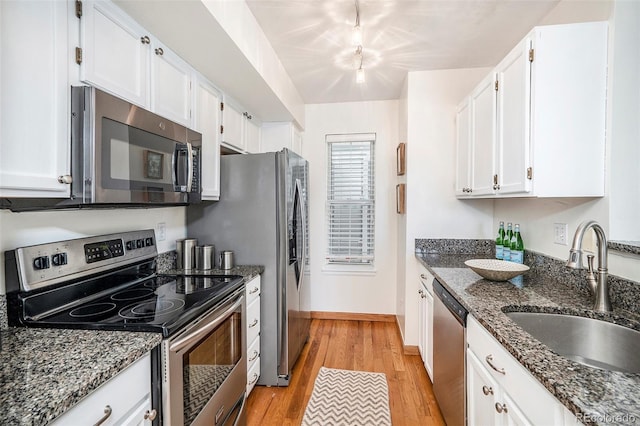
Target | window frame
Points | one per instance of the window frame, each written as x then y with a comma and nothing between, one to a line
363,259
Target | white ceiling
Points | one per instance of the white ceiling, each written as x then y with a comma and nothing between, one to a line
313,40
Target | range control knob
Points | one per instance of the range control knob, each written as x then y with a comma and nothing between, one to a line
139,243
41,262
59,259
130,245
148,241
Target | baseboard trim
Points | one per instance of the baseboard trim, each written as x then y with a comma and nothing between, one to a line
352,316
411,350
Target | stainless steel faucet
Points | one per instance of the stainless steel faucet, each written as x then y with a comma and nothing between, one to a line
598,283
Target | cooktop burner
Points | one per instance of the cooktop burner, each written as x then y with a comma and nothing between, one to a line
137,293
93,310
151,308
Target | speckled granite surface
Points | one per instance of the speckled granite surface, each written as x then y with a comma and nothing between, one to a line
4,321
166,264
590,393
629,247
453,246
43,372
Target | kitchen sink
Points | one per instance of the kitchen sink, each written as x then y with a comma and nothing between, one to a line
586,341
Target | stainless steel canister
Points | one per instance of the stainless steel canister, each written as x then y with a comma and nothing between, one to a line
186,253
226,259
205,257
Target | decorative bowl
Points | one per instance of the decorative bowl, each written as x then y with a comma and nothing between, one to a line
496,270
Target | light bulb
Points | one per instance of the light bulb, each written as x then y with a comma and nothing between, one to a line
360,75
357,35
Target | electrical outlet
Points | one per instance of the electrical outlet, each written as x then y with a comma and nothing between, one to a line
560,231
161,231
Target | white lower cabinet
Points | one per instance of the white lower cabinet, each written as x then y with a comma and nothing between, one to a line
425,325
252,295
126,398
500,391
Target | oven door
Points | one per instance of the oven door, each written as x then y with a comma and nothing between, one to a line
205,370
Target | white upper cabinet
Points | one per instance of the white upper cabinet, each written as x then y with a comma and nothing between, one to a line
483,133
35,98
279,135
252,132
170,85
463,148
207,122
233,125
115,52
121,57
538,120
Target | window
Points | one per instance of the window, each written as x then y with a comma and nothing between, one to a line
350,199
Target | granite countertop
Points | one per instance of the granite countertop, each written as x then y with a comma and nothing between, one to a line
246,271
594,395
44,372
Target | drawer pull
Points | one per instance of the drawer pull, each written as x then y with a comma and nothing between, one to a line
150,415
254,379
254,290
501,408
487,390
423,276
254,355
254,323
107,413
489,358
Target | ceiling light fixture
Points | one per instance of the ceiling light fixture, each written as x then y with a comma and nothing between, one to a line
356,37
357,41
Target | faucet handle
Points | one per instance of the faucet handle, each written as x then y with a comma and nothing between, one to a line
590,267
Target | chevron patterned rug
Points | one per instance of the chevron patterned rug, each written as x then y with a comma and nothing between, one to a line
348,398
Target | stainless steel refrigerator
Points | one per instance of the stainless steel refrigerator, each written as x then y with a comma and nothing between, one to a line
262,216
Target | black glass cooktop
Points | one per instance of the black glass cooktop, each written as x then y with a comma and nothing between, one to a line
145,303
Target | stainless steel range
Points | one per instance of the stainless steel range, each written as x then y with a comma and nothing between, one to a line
109,282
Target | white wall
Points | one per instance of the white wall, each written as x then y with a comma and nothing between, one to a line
24,229
353,292
433,211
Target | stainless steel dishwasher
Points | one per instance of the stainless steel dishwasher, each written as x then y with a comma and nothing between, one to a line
449,323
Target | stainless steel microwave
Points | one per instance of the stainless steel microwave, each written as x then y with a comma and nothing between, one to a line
123,154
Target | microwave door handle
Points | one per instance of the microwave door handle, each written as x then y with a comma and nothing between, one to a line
174,167
190,170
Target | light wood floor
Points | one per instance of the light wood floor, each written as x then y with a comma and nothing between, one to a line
350,345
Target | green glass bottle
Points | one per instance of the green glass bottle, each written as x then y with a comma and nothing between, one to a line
517,246
500,242
506,251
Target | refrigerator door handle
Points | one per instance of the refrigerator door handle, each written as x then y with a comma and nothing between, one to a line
302,250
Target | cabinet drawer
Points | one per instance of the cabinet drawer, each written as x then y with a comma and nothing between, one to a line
130,389
253,353
525,390
252,289
253,375
427,281
253,320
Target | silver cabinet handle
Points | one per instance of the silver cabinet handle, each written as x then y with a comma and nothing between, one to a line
145,40
501,408
420,292
487,390
159,51
107,413
254,379
254,323
66,179
489,358
254,290
424,277
150,415
254,355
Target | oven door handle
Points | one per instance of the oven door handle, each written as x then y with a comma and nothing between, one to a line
191,337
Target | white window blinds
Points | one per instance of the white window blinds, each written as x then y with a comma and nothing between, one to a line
350,198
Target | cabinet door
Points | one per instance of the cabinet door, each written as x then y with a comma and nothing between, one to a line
483,130
115,52
463,148
481,393
171,86
511,413
513,139
297,141
422,323
428,332
252,132
233,125
34,126
207,122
